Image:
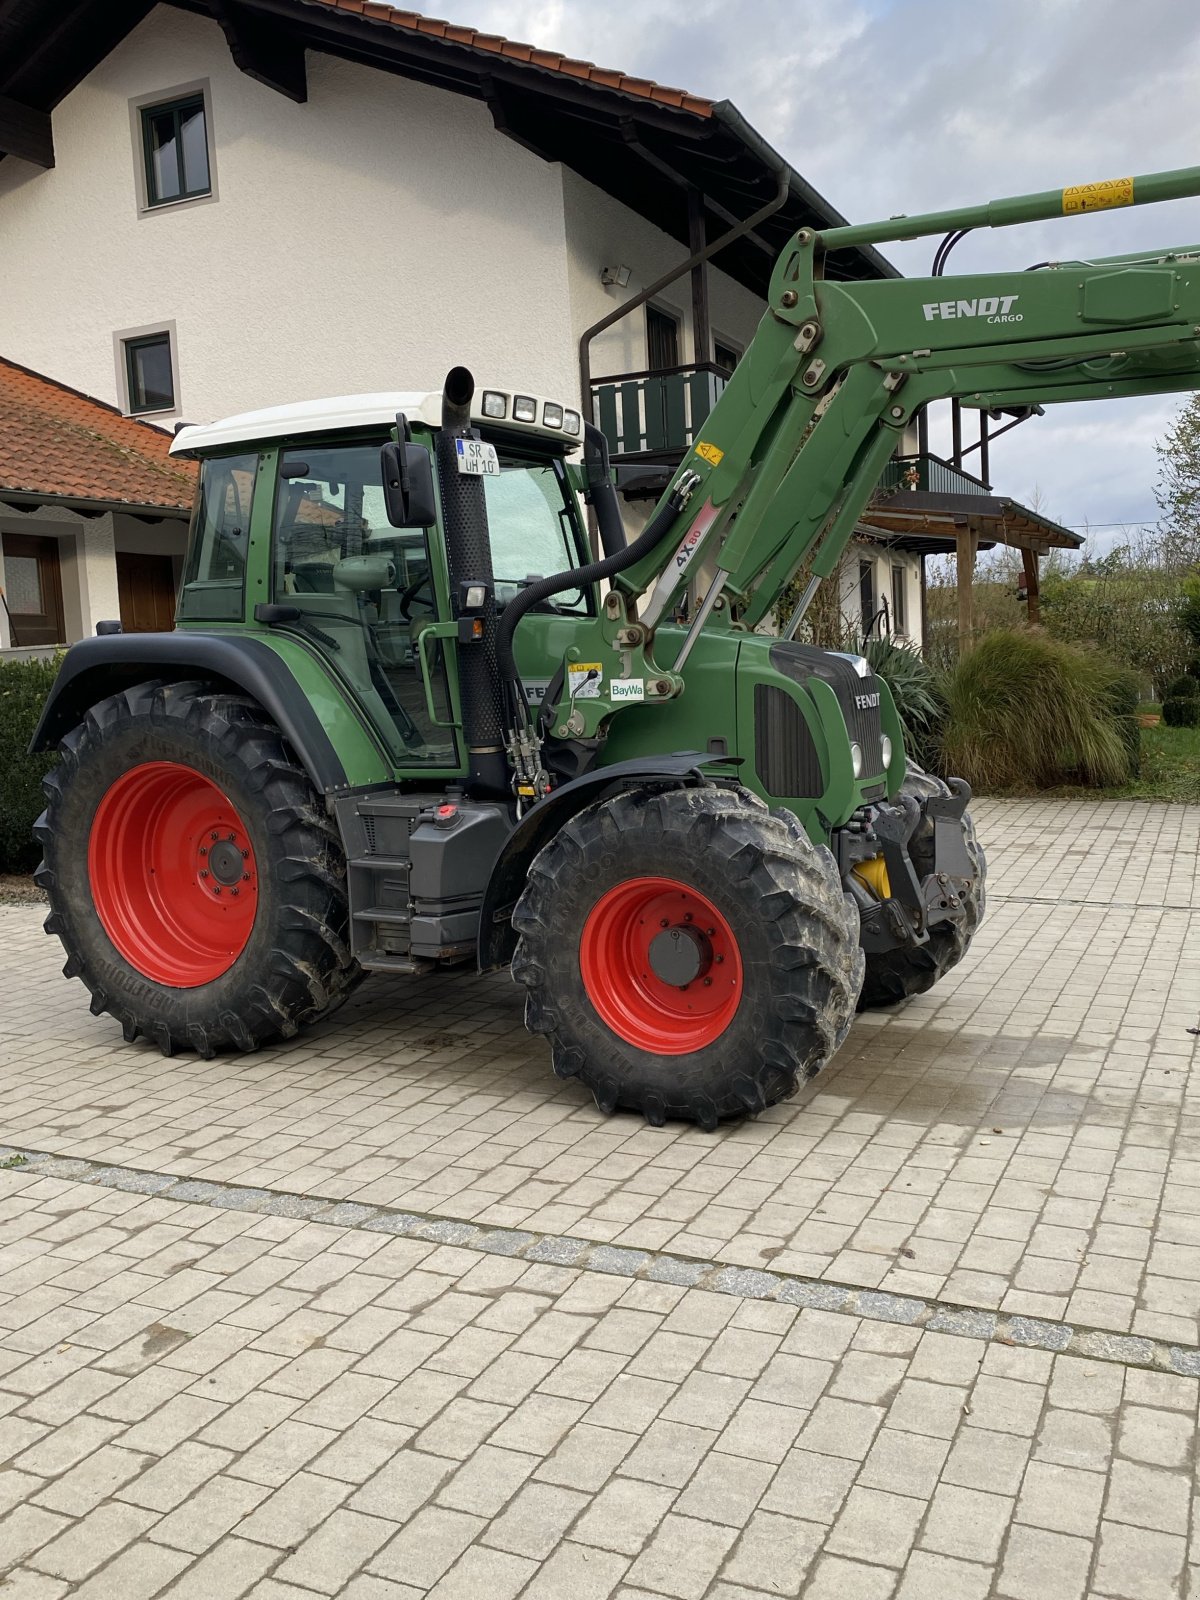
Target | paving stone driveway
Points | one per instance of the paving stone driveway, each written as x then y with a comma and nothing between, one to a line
207,1391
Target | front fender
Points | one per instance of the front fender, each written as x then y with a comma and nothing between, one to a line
497,941
96,668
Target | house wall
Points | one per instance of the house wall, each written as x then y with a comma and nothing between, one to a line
601,232
369,239
882,560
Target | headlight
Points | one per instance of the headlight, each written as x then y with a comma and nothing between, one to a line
571,422
525,408
552,415
856,759
885,747
494,403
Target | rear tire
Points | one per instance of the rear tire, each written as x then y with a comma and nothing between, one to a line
896,975
748,912
195,880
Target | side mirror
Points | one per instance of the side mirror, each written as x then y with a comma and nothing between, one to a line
408,486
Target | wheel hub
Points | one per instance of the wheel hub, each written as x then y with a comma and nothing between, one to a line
225,860
678,956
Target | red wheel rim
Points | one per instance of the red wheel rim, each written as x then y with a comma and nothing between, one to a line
173,876
636,990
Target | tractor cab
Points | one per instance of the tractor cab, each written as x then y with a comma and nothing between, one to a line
291,536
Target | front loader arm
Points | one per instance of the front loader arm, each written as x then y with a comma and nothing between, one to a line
795,446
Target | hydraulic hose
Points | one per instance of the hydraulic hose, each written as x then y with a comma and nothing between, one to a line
576,578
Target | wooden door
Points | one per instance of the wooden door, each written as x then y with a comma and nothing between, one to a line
146,587
33,590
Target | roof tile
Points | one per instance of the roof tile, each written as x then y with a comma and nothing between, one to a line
59,443
549,60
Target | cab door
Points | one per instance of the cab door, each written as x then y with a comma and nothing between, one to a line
364,591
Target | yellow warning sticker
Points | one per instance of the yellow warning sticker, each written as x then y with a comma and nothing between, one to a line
1102,196
710,453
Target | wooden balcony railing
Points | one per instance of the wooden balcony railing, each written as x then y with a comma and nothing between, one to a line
931,474
656,413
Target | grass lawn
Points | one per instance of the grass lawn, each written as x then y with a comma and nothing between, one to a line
1170,769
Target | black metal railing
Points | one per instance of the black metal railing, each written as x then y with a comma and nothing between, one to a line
656,413
930,474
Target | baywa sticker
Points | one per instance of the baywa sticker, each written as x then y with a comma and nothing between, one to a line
627,689
583,680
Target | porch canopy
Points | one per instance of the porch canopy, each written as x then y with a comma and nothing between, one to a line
925,522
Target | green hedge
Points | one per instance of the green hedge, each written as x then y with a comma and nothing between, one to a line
1182,711
24,686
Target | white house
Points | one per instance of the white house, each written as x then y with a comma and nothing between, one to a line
211,207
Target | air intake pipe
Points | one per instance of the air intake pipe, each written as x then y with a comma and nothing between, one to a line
599,492
469,559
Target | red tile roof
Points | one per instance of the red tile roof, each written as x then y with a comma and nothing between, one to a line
531,55
59,443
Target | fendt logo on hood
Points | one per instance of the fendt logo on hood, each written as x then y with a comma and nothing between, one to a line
991,307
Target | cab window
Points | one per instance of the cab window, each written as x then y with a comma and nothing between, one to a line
214,579
533,526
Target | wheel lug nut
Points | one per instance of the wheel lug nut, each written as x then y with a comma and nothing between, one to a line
718,959
214,836
232,837
664,923
707,981
708,932
238,891
245,855
245,877
217,890
203,849
203,872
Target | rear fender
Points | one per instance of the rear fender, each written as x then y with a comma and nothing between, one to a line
497,940
94,669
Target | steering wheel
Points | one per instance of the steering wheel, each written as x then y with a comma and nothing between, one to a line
408,596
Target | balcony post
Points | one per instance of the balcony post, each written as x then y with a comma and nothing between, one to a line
966,544
697,239
1033,601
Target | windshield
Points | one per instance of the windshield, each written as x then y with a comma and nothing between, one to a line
531,520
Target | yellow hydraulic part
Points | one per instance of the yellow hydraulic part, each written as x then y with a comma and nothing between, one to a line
874,875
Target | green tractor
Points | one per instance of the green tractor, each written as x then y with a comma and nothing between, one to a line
409,720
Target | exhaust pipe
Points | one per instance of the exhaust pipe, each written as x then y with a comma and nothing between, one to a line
469,558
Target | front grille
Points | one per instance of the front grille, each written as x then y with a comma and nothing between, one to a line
785,756
802,662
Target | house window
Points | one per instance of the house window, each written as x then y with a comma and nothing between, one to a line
866,594
899,600
725,355
149,374
662,340
175,147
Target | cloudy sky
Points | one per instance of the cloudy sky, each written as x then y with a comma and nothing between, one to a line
918,105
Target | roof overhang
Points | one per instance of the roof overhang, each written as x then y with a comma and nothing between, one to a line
24,500
995,516
643,150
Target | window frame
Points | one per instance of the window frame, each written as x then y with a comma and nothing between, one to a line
123,339
657,308
899,591
140,109
737,351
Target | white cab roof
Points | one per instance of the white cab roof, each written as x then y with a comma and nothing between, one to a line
353,411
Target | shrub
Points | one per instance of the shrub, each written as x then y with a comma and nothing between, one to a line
1182,711
1185,688
24,686
1121,696
914,689
1025,711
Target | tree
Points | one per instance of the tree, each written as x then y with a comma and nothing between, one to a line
1178,488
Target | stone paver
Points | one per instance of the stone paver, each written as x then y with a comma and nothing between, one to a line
203,1399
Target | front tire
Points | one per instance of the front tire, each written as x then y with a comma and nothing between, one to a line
195,880
687,954
897,975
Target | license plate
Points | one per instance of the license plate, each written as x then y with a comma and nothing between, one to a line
476,459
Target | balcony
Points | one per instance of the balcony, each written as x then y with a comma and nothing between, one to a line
648,415
929,474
